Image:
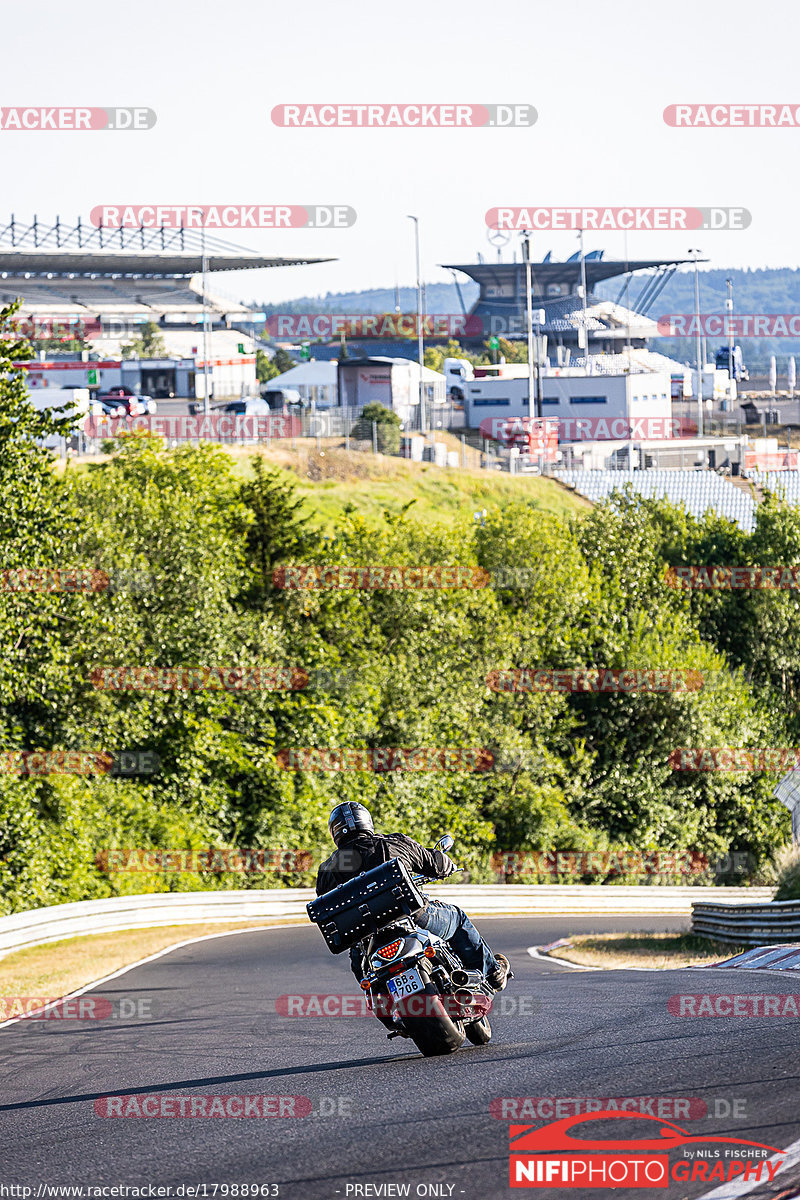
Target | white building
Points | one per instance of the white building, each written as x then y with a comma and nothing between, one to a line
572,396
230,377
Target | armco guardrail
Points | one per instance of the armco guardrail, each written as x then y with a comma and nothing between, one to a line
748,924
42,925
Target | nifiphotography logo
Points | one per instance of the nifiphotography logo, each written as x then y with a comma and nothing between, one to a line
552,1156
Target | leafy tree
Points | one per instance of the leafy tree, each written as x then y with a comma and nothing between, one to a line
435,355
149,344
271,367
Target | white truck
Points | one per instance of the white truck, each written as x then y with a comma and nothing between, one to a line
457,372
79,404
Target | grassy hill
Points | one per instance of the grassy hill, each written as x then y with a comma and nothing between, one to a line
331,479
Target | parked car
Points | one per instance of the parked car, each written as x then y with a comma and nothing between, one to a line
247,406
123,400
279,399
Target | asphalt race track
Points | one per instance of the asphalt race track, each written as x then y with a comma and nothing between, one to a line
204,1023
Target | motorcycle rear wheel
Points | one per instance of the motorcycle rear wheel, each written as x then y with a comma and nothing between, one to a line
437,1033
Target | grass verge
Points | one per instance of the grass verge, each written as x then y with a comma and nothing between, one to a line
657,951
62,967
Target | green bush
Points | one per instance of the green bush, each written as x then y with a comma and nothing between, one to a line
387,428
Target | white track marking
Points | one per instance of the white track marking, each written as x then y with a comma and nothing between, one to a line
562,962
150,958
740,1187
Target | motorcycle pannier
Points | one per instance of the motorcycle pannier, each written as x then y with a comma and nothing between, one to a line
365,904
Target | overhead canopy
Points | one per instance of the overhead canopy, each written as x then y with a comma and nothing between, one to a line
127,265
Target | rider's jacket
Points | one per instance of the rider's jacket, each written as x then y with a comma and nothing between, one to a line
363,851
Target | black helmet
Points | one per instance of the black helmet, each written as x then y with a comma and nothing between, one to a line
347,819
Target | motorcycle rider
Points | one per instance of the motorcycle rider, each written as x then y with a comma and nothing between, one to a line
359,849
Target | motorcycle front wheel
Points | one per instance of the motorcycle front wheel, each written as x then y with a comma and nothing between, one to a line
479,1032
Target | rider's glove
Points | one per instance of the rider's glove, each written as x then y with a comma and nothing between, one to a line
449,867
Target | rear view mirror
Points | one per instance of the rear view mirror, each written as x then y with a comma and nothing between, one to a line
445,842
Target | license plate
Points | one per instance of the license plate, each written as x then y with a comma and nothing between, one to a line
405,984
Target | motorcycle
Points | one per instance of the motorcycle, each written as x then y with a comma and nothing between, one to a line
414,983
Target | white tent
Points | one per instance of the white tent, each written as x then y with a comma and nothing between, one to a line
314,380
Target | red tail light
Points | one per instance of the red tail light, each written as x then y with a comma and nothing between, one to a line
391,951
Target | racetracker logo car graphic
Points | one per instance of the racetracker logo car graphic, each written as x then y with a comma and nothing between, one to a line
552,1156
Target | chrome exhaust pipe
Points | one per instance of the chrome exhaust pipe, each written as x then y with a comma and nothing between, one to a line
467,979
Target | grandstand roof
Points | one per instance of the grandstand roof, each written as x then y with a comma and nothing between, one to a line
548,273
39,249
131,265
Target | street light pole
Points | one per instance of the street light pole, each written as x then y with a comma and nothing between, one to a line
204,269
729,308
526,253
420,337
699,342
584,303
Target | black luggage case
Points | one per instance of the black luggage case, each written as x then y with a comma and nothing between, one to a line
365,904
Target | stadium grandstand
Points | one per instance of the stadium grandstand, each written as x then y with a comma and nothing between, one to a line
606,326
102,283
501,306
698,491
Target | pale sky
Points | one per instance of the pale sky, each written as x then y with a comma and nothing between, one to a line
598,75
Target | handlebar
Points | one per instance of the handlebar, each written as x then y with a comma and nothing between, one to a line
435,879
